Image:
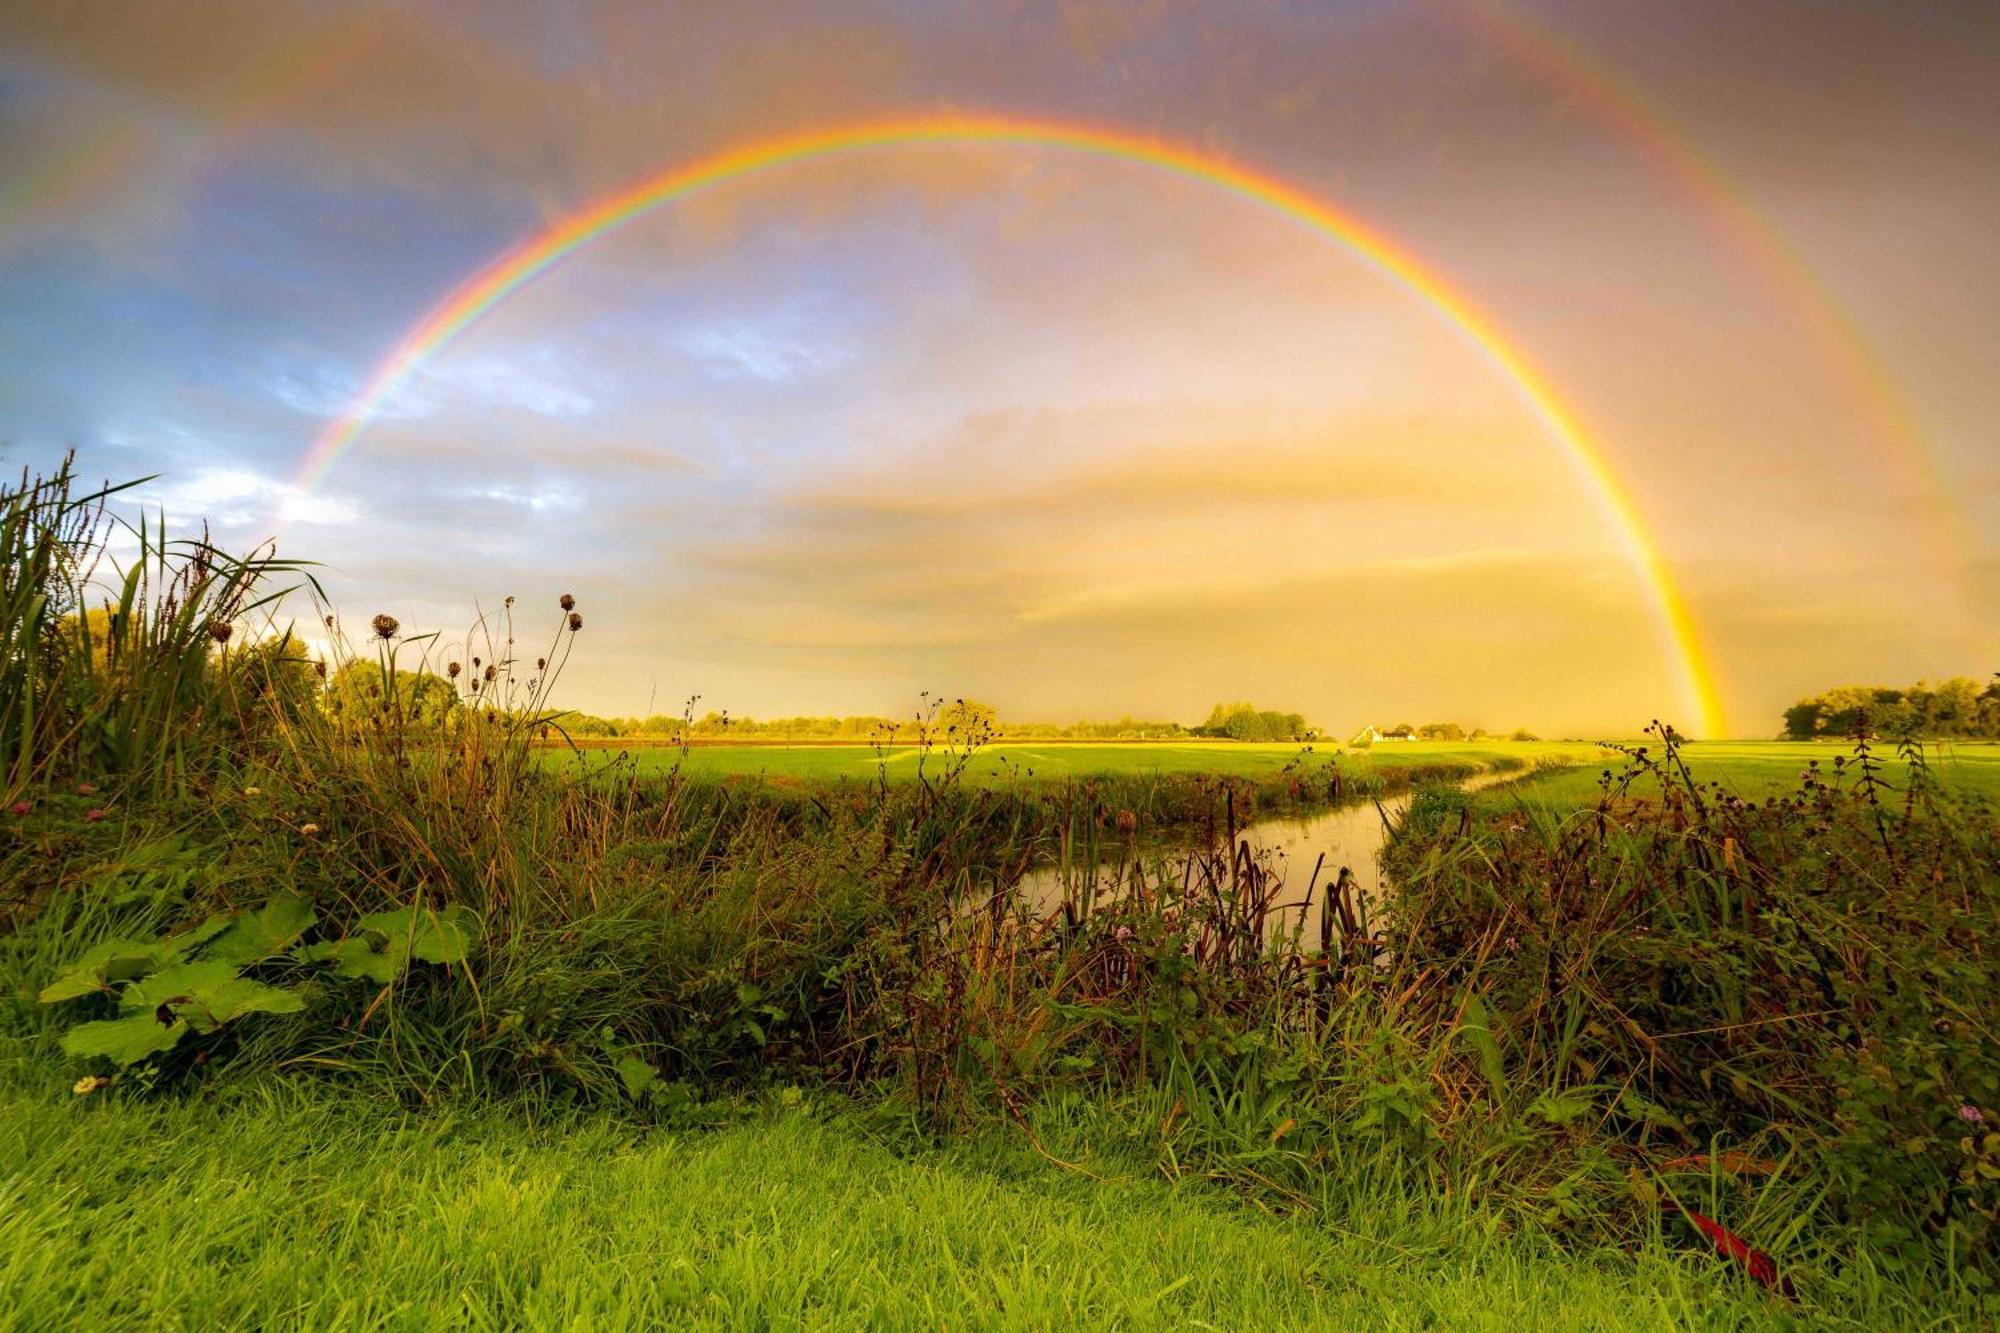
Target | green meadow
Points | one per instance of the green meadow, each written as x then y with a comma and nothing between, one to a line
1005,761
1563,773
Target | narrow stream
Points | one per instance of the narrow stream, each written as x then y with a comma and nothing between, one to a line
1349,835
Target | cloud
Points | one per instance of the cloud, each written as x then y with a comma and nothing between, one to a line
743,349
237,498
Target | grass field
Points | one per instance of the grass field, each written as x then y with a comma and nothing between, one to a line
1752,769
1007,760
297,1206
1756,769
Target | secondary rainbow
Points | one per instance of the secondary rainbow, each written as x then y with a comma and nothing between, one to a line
117,148
494,283
1843,348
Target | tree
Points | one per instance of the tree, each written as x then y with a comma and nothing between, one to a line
357,692
1803,720
969,717
1955,708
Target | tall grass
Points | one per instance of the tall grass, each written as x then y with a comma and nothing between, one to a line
115,655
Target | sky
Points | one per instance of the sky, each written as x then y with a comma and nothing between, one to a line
1070,434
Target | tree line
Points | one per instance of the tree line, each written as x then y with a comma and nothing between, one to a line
1956,709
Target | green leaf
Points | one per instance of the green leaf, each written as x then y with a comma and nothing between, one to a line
1559,1108
207,994
123,1041
177,984
639,1077
110,961
264,933
1478,1034
355,956
242,996
434,937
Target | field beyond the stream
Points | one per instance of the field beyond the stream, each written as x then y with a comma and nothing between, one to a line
1752,769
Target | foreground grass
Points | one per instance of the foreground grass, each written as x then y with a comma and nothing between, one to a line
292,1206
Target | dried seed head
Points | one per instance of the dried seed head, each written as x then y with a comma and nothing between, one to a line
453,670
319,668
541,664
220,630
491,671
567,602
385,626
575,621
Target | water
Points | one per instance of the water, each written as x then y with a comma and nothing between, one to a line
1289,848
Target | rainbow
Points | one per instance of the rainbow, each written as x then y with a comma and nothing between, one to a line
508,273
1841,345
112,152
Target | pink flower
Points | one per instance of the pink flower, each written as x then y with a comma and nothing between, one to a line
1972,1115
93,815
22,807
86,788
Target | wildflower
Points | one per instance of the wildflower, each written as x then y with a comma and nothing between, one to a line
567,602
309,830
21,807
575,621
86,788
93,815
88,1084
220,630
1972,1115
385,626
253,791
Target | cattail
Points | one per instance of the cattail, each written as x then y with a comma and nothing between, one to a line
385,626
575,621
567,602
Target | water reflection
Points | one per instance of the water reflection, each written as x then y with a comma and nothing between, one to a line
1303,855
